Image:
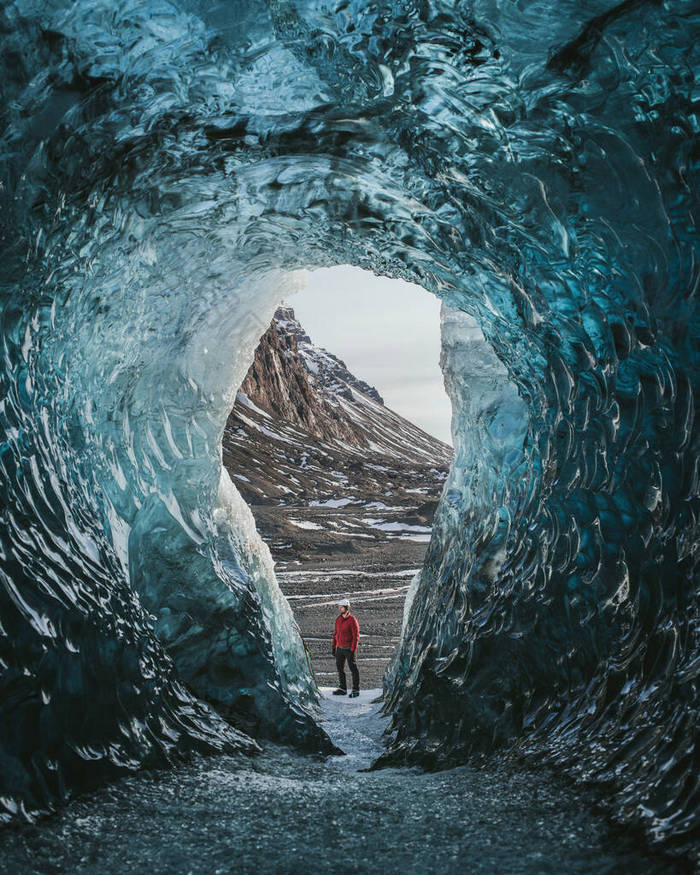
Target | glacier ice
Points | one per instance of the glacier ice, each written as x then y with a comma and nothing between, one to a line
166,168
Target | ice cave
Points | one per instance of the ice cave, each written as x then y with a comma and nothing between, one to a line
168,167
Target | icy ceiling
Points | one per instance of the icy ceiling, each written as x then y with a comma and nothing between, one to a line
166,165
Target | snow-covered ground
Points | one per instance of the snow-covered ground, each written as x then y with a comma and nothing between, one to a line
306,524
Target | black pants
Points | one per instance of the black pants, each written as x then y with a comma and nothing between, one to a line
341,654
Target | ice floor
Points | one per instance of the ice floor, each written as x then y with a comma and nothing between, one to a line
285,813
355,726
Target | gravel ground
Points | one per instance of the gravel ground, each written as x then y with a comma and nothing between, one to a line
284,813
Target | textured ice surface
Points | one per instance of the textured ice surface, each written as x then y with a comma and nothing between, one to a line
166,167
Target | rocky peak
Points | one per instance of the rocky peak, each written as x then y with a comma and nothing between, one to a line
303,384
329,373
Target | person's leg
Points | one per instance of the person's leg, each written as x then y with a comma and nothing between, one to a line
352,662
340,656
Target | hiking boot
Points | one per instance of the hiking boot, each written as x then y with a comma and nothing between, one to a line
340,692
354,694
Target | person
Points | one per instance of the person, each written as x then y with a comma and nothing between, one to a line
345,639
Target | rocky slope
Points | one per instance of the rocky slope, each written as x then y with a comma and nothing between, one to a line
343,489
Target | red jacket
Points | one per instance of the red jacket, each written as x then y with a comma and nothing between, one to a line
346,633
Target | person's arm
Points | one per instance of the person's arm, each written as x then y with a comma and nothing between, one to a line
335,637
355,635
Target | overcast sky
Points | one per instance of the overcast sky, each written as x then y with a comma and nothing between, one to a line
387,332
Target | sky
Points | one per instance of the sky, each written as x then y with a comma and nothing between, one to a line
387,332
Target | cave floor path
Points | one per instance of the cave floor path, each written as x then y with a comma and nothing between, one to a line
281,812
356,726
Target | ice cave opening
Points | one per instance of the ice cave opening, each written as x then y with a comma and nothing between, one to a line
167,168
343,481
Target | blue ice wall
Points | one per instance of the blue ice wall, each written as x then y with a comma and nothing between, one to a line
166,167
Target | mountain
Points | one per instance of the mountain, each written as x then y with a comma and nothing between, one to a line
324,464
